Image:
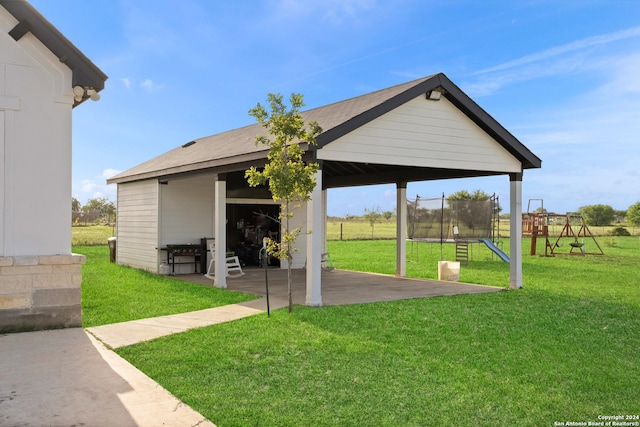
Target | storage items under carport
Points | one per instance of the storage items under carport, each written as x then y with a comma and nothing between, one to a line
247,225
180,254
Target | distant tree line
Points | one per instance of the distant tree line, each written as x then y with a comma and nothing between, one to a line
96,211
594,215
601,215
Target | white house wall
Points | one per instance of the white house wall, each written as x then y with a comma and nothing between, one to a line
423,133
39,276
36,102
186,213
137,224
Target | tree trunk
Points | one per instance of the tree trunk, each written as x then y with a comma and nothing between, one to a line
289,258
289,262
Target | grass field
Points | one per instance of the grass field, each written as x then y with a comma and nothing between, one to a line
112,293
353,229
564,348
359,229
90,235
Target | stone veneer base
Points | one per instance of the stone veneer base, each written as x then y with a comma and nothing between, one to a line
40,292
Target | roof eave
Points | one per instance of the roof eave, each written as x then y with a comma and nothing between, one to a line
223,165
84,72
456,97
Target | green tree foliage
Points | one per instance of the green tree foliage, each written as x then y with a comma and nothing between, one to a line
465,195
472,211
619,216
75,205
597,214
633,214
291,180
620,231
102,206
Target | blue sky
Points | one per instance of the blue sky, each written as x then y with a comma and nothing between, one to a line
562,76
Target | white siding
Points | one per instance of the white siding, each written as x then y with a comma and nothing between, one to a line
35,106
186,213
423,133
137,225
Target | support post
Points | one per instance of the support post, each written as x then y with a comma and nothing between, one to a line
515,238
314,244
220,228
401,229
324,221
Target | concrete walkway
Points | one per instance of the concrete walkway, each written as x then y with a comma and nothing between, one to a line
67,377
127,333
70,377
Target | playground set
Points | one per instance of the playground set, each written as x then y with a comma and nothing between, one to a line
536,225
465,222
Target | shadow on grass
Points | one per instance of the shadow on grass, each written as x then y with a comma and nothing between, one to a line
526,357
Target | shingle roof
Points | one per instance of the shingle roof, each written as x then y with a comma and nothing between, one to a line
238,146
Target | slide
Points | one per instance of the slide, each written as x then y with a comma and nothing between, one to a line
495,249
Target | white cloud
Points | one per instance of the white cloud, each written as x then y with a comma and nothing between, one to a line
149,85
576,57
588,143
96,187
126,81
333,11
563,49
108,173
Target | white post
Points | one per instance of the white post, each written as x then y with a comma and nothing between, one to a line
324,221
314,244
401,229
220,228
515,238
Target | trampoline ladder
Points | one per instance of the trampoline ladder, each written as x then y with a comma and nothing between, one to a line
462,252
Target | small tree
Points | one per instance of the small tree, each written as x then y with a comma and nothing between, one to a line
102,206
291,180
372,215
75,205
597,214
633,214
619,215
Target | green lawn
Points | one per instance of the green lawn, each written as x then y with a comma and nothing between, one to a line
90,235
564,348
112,293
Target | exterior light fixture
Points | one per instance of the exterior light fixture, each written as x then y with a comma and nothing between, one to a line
95,96
79,93
434,95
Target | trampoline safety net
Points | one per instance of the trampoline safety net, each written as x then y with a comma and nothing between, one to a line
437,219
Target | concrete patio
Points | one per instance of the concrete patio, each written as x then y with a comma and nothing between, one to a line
341,287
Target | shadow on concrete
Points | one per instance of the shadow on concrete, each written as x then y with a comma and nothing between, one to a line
58,378
67,378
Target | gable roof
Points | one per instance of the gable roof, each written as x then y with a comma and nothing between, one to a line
235,149
85,72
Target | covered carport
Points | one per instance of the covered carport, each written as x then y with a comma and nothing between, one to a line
427,129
